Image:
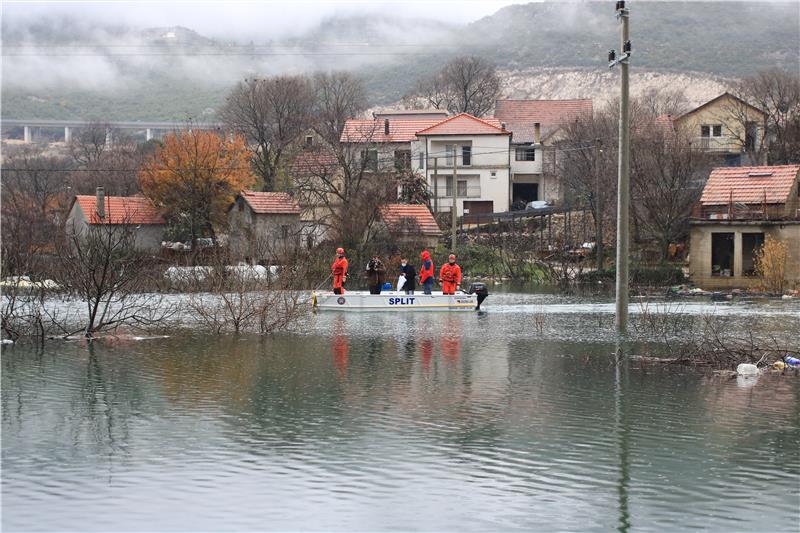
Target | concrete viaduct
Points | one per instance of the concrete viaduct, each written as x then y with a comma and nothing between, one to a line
150,129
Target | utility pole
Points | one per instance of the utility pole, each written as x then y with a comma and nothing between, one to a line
598,201
454,210
435,185
623,180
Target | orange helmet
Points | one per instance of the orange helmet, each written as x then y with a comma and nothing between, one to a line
340,251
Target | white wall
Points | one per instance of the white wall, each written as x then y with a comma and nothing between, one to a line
490,155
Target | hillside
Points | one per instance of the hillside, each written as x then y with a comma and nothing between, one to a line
545,50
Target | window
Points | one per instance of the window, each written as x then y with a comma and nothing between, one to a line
402,159
716,131
705,131
462,188
722,249
284,231
422,160
309,140
751,243
525,153
369,158
448,154
466,155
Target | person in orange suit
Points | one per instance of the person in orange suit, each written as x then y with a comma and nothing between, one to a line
426,272
339,269
450,276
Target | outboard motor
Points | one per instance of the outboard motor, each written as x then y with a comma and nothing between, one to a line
481,290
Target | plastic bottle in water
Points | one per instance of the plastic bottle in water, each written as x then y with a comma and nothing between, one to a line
792,361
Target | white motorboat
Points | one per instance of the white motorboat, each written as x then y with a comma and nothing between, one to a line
399,301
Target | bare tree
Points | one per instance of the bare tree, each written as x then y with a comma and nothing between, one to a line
101,267
777,93
339,96
271,113
466,84
586,159
667,177
346,186
35,193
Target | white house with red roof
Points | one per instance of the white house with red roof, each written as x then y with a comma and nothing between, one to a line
385,140
535,124
739,208
264,227
126,213
476,150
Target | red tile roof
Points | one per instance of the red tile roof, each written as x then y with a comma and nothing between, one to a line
401,130
271,203
520,115
315,162
465,124
750,185
120,210
408,217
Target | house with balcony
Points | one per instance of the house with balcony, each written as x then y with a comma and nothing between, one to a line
739,208
476,152
383,143
535,125
727,127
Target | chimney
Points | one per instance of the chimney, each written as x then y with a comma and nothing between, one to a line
386,126
537,133
101,203
503,126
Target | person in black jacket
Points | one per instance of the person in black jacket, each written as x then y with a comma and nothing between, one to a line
410,273
375,271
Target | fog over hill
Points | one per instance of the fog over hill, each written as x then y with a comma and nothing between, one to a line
69,67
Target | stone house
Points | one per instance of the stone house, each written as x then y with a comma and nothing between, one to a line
535,125
739,207
264,227
135,214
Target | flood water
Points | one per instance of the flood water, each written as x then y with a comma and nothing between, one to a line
430,422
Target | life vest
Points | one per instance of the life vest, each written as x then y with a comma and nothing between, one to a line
339,266
450,273
426,272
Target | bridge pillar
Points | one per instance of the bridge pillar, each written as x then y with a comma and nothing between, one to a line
109,138
67,134
26,136
148,134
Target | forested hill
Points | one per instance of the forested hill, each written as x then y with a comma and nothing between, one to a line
190,80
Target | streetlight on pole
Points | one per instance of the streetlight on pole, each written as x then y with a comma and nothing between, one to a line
623,180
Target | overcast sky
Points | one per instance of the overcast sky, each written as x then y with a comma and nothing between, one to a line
246,19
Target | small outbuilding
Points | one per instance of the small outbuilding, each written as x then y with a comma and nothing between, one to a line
409,224
125,213
264,226
739,208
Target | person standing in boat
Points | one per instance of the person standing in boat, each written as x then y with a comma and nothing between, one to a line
339,271
450,276
410,274
375,272
426,272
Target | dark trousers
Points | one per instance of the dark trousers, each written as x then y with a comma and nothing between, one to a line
374,289
427,285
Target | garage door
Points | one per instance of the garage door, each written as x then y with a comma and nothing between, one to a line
475,207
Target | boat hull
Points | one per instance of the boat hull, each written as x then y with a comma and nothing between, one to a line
394,302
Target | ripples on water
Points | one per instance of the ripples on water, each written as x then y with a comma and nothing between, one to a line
375,422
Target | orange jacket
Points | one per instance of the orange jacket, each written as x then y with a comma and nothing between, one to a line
426,270
450,274
339,266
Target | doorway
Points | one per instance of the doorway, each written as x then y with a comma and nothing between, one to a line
722,248
522,193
